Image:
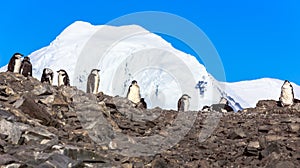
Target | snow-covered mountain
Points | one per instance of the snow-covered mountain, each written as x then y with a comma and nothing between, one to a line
130,52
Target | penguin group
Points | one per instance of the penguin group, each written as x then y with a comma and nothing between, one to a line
24,67
17,65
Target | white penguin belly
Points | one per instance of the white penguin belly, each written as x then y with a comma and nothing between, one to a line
287,97
185,105
134,94
95,89
17,65
60,80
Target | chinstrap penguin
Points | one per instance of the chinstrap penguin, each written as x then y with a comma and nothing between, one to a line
26,67
47,76
63,78
15,62
133,93
287,94
223,100
142,104
183,103
93,81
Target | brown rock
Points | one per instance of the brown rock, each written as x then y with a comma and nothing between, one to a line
237,134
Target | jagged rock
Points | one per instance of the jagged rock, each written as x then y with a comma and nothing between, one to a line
253,148
237,134
273,147
11,130
2,98
43,89
295,127
7,159
267,104
13,165
88,126
60,161
159,163
282,164
48,100
28,106
275,138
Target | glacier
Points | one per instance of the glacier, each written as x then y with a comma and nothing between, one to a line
130,52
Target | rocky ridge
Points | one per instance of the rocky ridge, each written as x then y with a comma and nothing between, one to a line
49,126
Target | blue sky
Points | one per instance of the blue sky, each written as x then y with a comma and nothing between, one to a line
254,38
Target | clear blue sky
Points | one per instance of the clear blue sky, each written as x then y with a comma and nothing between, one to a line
255,39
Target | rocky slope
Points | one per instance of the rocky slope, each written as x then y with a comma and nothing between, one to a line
48,126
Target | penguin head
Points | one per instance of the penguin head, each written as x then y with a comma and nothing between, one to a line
95,71
47,71
185,96
62,72
134,82
287,84
26,59
18,55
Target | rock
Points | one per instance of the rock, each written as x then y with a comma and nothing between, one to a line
11,130
294,127
237,134
253,149
47,100
282,164
2,98
264,129
273,147
7,115
60,161
13,165
267,104
270,138
7,159
43,89
28,106
159,163
127,165
89,126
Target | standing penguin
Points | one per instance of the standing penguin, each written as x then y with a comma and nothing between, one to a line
93,82
142,104
183,103
15,62
26,67
287,94
133,93
63,78
47,76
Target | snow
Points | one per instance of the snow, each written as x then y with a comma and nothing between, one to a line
130,52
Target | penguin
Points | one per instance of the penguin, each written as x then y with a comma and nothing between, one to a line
183,103
26,67
15,62
223,100
47,76
142,104
93,81
63,78
287,94
133,93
